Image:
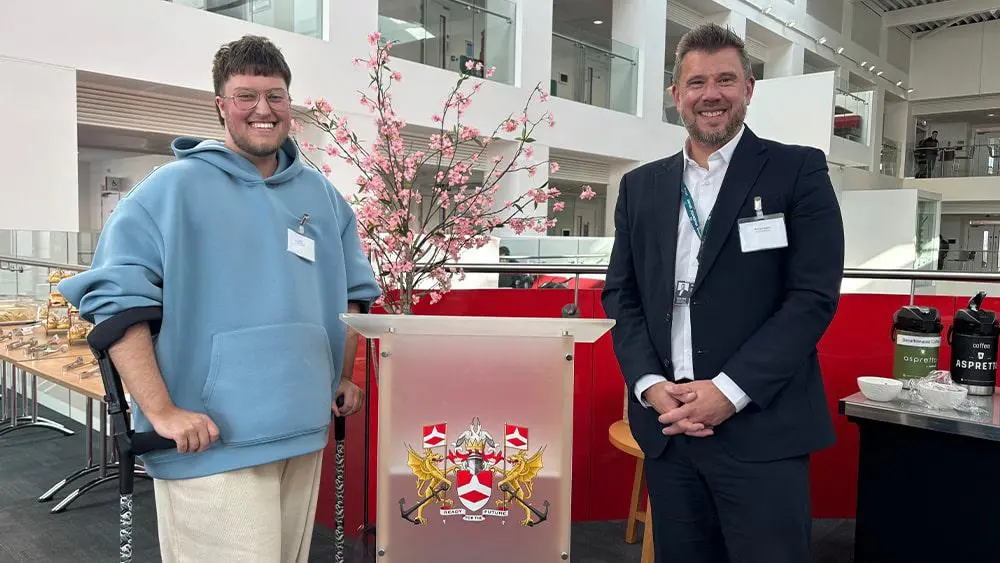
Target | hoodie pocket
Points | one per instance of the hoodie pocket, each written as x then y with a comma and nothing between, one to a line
269,382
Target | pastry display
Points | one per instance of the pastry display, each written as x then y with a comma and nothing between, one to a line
18,312
56,276
79,329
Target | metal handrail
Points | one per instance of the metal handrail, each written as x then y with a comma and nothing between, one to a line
5,261
600,269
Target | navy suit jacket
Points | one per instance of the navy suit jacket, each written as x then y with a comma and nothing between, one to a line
756,316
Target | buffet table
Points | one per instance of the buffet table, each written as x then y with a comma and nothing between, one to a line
70,367
925,481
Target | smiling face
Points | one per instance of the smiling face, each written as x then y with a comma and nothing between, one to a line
712,94
256,114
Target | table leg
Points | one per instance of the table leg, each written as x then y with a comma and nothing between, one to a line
32,421
4,395
89,466
107,472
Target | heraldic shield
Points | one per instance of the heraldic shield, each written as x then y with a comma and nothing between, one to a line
474,433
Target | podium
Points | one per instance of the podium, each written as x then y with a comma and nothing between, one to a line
475,436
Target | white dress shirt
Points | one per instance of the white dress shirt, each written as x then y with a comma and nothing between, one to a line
704,186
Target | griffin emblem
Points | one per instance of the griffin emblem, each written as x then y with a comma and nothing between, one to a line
481,465
519,480
432,482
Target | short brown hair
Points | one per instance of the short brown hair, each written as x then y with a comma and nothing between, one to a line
710,38
251,54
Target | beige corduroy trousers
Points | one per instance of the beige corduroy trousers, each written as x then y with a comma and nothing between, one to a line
261,514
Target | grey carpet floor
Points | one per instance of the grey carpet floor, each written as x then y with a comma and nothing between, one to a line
31,460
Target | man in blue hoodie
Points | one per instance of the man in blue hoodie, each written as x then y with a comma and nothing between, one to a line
218,282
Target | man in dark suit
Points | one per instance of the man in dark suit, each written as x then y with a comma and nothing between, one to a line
725,273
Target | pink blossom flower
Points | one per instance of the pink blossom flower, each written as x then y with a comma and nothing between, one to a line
406,251
588,193
553,167
543,97
397,76
373,38
491,71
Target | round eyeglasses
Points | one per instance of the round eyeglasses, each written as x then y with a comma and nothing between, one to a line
246,100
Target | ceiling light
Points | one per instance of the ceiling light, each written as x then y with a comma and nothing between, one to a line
598,22
821,41
864,64
990,114
899,83
909,91
872,68
767,11
840,50
879,73
790,23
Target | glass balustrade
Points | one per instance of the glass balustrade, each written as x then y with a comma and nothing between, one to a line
670,112
305,17
449,33
52,246
851,115
953,161
593,70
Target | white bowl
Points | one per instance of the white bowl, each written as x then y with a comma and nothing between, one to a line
941,395
880,388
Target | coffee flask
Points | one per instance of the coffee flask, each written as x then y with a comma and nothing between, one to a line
973,340
916,332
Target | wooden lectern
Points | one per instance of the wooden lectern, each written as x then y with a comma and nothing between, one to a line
475,435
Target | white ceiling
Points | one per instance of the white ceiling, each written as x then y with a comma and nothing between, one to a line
974,117
96,143
930,24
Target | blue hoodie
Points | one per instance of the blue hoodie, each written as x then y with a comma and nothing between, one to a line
250,332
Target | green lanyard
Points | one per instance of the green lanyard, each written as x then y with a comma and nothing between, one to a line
692,214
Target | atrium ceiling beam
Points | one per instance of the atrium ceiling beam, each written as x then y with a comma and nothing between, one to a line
947,10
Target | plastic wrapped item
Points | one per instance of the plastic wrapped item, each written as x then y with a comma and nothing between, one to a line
938,392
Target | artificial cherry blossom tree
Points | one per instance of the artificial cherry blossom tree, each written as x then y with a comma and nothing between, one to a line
413,255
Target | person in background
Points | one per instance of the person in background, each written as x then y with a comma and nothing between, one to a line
217,286
725,273
926,155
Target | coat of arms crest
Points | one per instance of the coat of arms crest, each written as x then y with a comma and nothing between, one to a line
481,465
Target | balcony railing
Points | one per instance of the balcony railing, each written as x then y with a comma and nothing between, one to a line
851,115
449,33
601,76
961,161
305,17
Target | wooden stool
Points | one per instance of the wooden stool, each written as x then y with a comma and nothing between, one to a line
620,436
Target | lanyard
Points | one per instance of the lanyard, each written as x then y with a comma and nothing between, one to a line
692,213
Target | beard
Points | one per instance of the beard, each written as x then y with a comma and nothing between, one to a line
737,113
259,148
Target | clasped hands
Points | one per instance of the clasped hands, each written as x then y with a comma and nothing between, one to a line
693,408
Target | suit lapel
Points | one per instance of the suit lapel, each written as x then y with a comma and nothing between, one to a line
667,187
748,160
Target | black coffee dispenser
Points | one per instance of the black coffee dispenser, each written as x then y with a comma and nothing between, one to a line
973,339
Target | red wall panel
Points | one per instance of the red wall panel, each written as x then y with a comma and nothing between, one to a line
857,343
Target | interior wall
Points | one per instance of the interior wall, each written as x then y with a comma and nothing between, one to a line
866,28
960,61
39,179
131,170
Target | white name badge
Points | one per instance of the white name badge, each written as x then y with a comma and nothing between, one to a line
764,232
301,246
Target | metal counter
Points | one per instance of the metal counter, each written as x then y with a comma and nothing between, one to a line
900,411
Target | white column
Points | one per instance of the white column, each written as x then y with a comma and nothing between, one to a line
847,21
785,60
898,116
876,118
515,184
638,88
501,25
615,173
533,60
348,25
728,18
